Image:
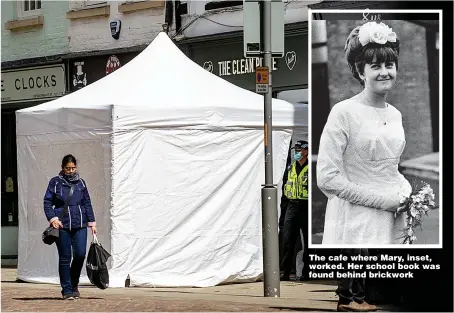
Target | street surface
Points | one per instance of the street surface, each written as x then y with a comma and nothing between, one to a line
295,296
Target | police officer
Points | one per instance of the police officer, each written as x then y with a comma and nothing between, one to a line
296,190
284,201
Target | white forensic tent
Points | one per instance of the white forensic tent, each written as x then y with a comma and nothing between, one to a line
173,157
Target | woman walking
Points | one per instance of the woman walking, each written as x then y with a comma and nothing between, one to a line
72,241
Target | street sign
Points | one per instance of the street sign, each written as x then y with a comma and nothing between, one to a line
262,79
253,32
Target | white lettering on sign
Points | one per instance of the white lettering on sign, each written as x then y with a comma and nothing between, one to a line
240,66
372,17
44,81
33,84
247,65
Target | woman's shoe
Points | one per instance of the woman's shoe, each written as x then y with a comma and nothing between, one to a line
76,293
68,296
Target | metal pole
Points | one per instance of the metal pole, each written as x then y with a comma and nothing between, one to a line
271,272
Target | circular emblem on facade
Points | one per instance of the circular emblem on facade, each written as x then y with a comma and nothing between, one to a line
113,64
208,65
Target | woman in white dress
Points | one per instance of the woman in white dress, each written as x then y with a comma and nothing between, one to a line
361,145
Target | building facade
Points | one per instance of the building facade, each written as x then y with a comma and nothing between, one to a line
94,50
53,48
210,33
34,39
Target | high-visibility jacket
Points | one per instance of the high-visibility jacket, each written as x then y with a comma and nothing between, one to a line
296,186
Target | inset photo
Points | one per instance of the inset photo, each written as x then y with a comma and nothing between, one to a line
375,129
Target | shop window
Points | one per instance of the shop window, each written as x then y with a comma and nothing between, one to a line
26,8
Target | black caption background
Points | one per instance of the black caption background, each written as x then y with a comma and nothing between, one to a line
429,290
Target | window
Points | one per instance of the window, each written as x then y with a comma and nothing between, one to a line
29,8
89,3
85,4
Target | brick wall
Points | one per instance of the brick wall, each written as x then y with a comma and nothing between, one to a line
411,92
50,39
137,28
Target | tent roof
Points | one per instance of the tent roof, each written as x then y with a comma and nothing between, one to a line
160,78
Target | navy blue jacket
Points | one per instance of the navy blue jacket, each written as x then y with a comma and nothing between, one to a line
80,212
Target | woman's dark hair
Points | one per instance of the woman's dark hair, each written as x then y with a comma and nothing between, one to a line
358,55
68,159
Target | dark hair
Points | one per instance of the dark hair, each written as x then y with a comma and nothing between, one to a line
68,159
358,55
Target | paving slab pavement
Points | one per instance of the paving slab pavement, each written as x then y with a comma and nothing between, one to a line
295,296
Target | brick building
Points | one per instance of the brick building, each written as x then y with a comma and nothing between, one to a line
34,39
94,52
211,34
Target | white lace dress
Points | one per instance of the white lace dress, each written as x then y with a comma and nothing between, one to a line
357,168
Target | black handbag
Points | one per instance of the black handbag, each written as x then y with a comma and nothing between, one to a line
50,235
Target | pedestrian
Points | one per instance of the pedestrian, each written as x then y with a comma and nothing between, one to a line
72,241
361,145
296,190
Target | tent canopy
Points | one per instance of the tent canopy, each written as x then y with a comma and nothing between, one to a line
173,158
161,87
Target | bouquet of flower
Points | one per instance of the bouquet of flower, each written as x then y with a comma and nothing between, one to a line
415,207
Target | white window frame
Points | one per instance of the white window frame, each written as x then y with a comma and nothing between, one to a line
132,1
22,13
94,3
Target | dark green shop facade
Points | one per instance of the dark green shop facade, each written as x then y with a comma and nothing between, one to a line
223,56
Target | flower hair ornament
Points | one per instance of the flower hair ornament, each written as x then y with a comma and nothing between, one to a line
373,32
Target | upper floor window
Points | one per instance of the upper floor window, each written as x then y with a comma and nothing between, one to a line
89,3
28,8
85,4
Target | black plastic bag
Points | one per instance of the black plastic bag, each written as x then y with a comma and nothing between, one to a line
97,271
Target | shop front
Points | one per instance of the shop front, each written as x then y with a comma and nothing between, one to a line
225,58
21,88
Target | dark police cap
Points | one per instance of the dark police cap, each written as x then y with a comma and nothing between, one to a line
301,144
